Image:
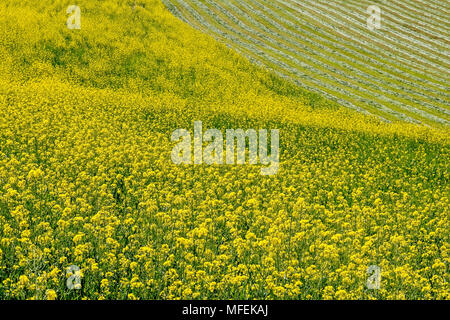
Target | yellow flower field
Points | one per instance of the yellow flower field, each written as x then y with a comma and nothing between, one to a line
86,178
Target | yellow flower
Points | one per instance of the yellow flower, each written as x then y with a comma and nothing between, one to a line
51,295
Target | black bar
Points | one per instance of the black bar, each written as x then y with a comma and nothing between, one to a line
222,309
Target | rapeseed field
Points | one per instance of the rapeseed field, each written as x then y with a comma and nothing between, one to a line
86,179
